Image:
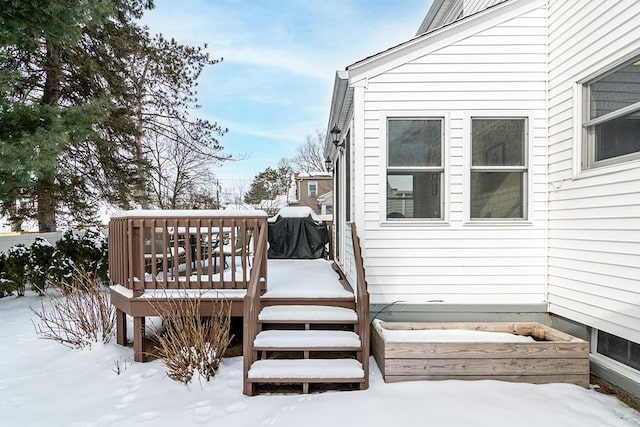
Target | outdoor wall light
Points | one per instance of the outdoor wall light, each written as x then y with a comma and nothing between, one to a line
328,164
335,134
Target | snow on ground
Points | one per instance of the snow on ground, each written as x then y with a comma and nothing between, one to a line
43,383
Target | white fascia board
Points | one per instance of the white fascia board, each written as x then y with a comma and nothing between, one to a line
440,38
434,14
340,105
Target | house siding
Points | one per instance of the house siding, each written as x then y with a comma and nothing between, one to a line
594,216
450,11
473,6
501,71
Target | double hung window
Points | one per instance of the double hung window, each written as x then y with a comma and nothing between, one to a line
312,189
498,168
611,116
414,168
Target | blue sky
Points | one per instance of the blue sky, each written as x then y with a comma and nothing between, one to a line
280,56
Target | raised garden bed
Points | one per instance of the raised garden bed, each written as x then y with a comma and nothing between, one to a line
521,352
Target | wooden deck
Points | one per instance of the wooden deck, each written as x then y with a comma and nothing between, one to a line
302,321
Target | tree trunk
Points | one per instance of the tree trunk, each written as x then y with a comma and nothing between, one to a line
44,188
15,218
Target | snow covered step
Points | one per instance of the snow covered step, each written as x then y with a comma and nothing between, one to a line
307,314
303,340
297,369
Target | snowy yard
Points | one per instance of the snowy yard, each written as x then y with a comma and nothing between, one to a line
45,384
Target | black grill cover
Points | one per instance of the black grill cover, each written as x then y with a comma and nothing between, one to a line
300,238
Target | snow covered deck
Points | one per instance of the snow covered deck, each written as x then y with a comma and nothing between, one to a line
288,279
304,279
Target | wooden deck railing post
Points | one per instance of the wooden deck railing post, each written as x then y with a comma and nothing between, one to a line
362,304
252,307
330,234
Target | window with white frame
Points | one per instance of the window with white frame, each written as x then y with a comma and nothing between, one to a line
312,189
498,168
611,116
414,168
619,349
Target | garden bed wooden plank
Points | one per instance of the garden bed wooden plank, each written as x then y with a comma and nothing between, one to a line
550,356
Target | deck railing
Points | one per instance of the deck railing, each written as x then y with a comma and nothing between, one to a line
362,303
330,234
186,249
251,309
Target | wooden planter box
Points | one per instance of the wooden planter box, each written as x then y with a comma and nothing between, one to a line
554,357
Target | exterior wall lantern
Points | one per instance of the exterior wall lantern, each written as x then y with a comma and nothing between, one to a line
335,134
328,164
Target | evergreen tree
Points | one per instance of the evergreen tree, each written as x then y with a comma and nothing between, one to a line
269,184
82,88
43,123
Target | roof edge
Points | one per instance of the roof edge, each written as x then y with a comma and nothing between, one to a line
368,67
340,87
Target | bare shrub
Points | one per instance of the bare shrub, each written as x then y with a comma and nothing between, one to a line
193,339
83,316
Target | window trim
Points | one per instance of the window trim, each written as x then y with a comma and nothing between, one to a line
585,125
309,183
527,177
385,116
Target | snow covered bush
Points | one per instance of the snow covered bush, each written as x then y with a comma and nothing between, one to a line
38,269
14,270
81,317
93,253
87,253
64,255
190,341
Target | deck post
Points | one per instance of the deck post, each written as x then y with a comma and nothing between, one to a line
121,327
138,339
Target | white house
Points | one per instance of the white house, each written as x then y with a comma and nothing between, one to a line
491,165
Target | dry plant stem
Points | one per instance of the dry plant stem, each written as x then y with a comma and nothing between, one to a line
84,315
193,340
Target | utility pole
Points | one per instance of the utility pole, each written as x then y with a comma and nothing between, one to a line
217,194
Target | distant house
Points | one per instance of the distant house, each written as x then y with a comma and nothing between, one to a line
325,203
492,167
306,188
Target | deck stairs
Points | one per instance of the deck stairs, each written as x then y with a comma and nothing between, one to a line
309,330
307,342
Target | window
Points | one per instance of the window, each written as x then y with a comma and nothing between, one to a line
313,189
414,168
611,118
498,168
619,349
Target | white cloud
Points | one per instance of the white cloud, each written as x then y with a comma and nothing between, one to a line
281,59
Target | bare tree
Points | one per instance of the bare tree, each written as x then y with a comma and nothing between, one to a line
309,156
234,192
180,175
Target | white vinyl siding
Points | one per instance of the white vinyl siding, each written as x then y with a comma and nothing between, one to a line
594,215
474,6
498,70
453,10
